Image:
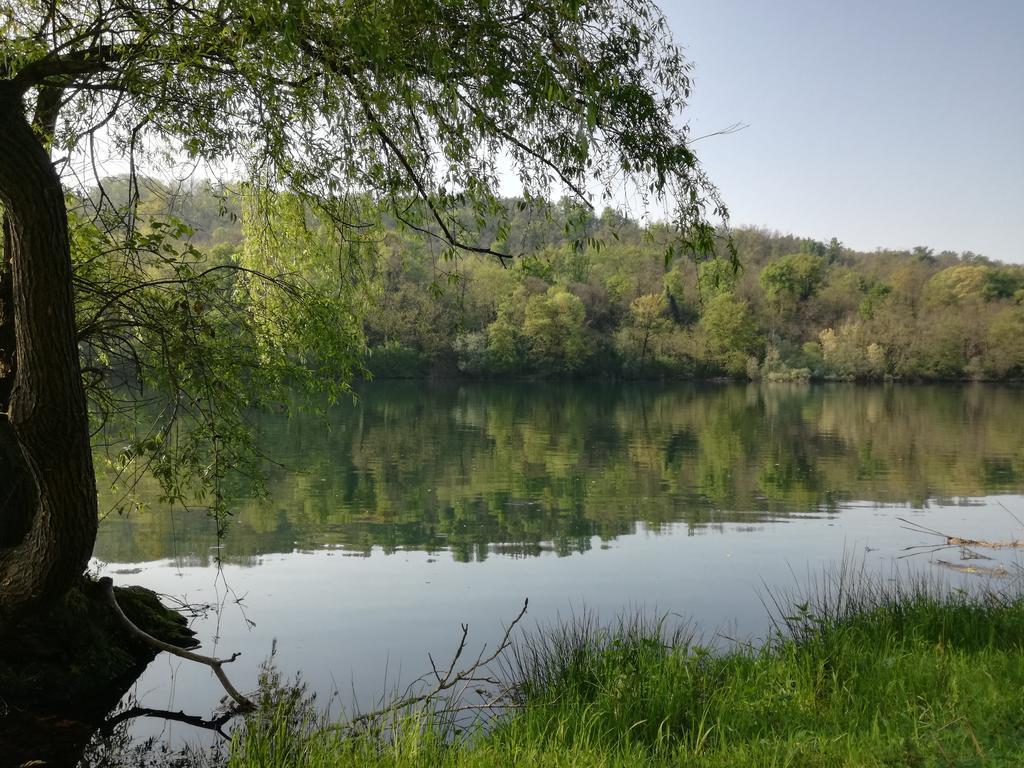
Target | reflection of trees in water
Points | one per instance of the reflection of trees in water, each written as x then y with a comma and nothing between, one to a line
532,468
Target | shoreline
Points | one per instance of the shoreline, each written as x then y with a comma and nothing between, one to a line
879,675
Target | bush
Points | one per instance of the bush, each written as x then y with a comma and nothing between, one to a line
394,360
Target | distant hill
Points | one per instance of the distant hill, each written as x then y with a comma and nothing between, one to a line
592,294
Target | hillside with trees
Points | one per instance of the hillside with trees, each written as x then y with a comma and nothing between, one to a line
588,294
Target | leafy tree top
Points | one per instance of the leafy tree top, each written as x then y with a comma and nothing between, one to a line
395,100
794,277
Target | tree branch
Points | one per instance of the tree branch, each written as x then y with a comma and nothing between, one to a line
217,665
450,678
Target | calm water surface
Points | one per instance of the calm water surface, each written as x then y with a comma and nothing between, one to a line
391,521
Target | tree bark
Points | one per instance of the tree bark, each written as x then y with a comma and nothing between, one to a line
17,493
7,360
47,409
17,499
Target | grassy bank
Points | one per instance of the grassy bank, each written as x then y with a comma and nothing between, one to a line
879,677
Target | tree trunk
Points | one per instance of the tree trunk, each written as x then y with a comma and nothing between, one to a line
7,361
46,414
17,496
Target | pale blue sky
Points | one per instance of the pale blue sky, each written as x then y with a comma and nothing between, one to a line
885,124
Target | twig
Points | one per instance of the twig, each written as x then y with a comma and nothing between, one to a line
931,549
736,640
450,678
217,665
1007,510
912,526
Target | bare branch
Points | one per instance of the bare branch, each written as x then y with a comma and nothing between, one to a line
217,665
450,679
957,541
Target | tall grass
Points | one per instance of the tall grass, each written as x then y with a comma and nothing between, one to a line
859,672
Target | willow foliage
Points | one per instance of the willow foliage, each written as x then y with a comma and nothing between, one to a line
340,117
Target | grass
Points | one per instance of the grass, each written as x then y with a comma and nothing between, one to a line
877,675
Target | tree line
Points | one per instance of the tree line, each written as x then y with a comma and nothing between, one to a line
594,294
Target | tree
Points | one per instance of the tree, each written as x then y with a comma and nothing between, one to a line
730,333
956,285
1003,282
358,111
1005,342
553,330
647,323
794,278
788,283
715,277
506,349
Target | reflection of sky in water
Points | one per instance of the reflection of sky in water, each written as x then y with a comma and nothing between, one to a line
361,624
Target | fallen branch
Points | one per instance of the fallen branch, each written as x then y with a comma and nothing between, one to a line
956,541
997,571
217,665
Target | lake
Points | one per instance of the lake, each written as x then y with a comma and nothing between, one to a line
390,521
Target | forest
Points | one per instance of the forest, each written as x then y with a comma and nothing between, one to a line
586,294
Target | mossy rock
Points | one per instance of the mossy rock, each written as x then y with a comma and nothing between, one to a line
77,658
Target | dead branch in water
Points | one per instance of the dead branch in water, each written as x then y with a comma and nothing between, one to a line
996,571
957,541
217,665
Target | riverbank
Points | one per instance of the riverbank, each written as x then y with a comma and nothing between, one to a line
64,669
883,675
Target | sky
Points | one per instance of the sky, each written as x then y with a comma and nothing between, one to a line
884,124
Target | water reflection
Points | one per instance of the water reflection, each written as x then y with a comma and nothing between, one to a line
395,520
522,469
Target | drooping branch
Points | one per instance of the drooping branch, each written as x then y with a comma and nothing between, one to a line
413,175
